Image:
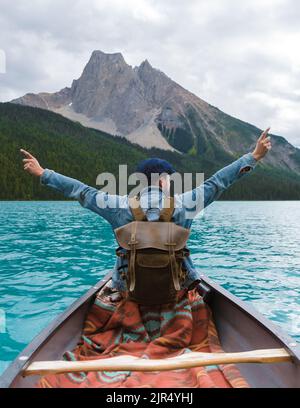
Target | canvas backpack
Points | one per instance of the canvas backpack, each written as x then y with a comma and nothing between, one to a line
155,251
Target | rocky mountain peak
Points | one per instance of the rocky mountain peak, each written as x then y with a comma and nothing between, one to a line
104,79
100,57
145,65
100,64
149,108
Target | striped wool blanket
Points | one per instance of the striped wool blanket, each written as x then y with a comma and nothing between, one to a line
114,328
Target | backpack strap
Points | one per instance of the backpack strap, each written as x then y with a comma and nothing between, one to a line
167,212
139,215
173,263
137,212
131,265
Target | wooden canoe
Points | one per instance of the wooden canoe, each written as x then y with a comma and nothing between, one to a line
240,327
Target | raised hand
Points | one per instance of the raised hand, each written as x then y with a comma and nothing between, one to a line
31,165
263,145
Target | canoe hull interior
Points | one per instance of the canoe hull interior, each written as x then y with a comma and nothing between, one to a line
240,328
54,347
240,332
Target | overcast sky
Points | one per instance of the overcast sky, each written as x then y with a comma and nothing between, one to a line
239,55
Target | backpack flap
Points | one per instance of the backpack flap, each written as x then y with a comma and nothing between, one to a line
152,235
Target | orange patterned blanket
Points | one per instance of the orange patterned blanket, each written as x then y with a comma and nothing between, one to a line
123,327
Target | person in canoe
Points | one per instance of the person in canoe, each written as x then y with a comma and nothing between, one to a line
152,254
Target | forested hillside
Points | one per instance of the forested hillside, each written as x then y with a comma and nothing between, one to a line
83,153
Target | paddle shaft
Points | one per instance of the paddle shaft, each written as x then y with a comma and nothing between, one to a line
132,363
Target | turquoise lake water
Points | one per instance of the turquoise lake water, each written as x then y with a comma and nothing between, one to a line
52,252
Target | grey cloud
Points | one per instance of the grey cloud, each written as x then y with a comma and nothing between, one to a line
228,53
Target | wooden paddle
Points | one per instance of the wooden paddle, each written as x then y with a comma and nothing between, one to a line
132,363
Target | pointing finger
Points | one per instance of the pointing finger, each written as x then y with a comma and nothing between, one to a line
27,154
264,134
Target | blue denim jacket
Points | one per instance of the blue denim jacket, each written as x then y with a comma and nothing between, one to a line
116,211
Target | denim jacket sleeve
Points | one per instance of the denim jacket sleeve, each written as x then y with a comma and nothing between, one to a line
209,191
104,204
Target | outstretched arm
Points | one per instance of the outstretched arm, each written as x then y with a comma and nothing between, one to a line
100,202
213,187
220,181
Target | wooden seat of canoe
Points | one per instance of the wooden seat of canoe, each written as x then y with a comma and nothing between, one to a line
131,363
